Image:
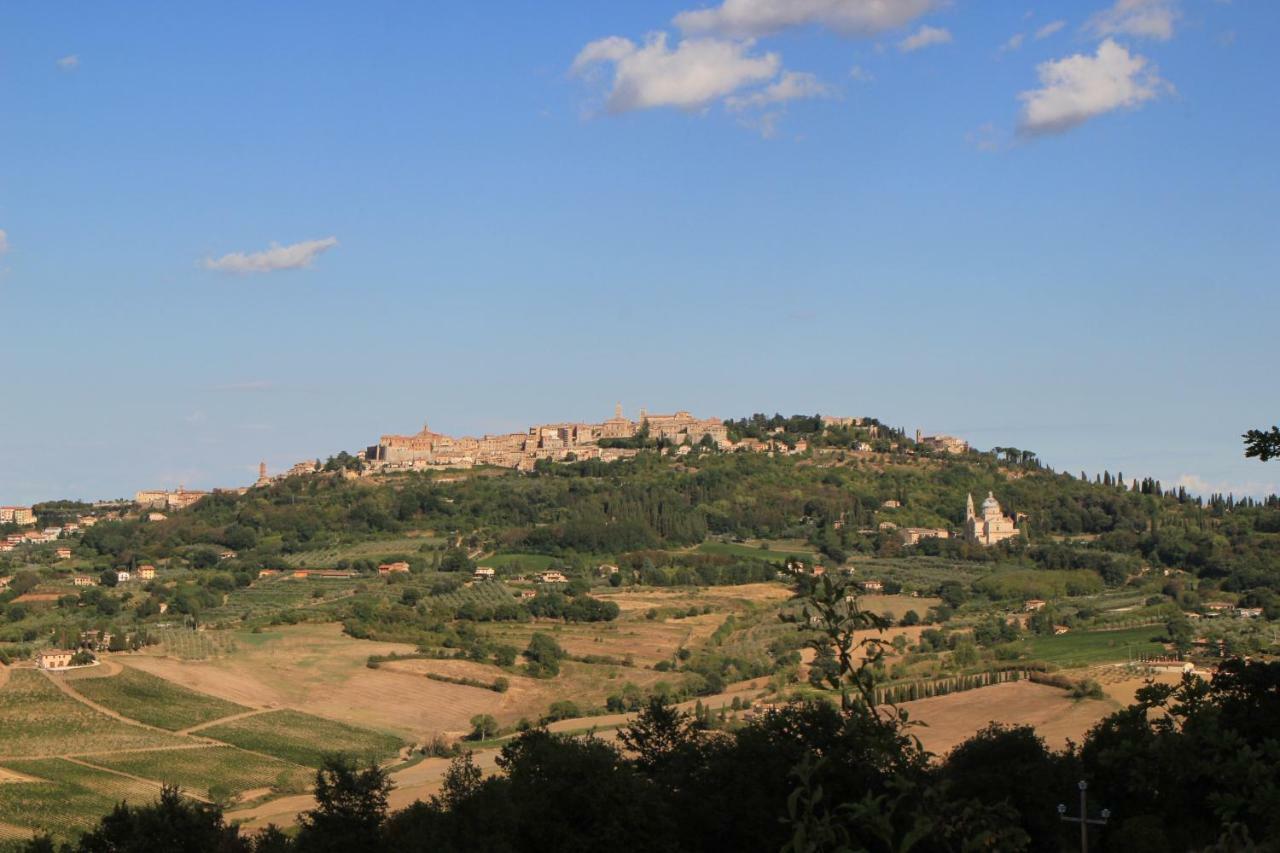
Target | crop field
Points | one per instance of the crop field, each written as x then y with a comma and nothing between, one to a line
69,798
304,739
270,595
144,697
1082,648
323,558
210,770
38,719
196,645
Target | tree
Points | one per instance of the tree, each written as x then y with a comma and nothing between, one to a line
483,727
543,656
351,805
172,823
1264,444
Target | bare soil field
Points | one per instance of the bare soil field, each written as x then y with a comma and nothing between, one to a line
647,642
1055,716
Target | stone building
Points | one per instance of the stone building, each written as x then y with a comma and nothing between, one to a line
992,526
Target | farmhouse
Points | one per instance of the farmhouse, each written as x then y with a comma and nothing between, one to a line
266,573
398,567
147,573
123,576
552,577
525,594
1248,612
913,535
63,553
871,586
84,580
606,569
53,659
1033,604
892,504
484,573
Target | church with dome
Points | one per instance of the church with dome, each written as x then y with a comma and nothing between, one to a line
990,527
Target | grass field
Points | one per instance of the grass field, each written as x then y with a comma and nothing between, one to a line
1080,648
154,701
214,769
38,719
304,739
69,797
777,550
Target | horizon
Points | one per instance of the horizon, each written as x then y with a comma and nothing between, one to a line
240,234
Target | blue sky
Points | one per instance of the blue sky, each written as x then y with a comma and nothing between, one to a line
1048,225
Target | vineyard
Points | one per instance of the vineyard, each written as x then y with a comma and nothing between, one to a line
483,592
155,701
214,770
37,719
303,739
187,644
69,799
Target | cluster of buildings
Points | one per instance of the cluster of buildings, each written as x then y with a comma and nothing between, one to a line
161,499
992,526
45,536
555,442
942,443
20,515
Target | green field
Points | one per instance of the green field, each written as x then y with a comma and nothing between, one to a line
1080,648
303,739
144,697
518,562
216,769
69,798
38,719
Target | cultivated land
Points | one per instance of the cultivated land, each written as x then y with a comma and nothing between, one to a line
68,798
210,771
154,701
39,719
304,739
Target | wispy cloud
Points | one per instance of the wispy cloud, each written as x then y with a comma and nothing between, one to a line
4,241
791,86
1049,29
1152,19
1080,87
984,138
1197,485
276,257
924,37
751,18
68,63
1015,41
861,74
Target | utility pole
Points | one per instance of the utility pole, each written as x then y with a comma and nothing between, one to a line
1083,819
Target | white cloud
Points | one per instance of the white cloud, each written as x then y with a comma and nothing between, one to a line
1080,87
1144,18
1015,41
762,17
4,241
277,257
861,74
791,86
694,74
1049,29
924,37
69,63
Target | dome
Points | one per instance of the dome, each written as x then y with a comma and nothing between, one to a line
990,503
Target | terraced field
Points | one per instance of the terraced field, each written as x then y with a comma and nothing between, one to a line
68,799
220,770
303,739
154,701
38,719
